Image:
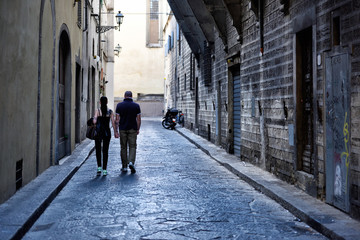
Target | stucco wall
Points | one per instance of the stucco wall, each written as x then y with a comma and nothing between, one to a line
29,46
18,92
138,68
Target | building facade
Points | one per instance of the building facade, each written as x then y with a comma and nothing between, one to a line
51,84
140,65
276,83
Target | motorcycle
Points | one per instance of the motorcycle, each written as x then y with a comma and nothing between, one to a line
169,120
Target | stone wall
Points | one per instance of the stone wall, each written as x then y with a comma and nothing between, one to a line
271,97
267,91
349,15
283,80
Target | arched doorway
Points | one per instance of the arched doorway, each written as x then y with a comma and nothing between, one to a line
64,98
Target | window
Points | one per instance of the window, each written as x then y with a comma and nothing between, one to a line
154,9
185,82
86,20
153,28
169,43
79,15
206,70
336,31
87,44
178,84
192,71
178,38
93,48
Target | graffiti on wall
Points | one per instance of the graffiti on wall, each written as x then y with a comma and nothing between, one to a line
345,154
337,131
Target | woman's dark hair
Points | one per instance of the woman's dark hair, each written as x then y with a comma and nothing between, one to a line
103,102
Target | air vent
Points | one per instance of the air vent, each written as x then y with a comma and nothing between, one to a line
19,169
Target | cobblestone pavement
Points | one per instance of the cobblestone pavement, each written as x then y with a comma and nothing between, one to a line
178,192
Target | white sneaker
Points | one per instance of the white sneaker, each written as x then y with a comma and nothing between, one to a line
132,167
124,169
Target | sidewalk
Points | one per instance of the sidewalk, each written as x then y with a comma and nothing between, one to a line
327,220
19,213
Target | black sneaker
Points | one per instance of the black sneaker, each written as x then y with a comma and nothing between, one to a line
132,167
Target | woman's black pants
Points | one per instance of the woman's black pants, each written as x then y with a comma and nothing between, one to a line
105,151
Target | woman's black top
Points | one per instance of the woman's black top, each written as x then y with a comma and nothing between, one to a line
104,124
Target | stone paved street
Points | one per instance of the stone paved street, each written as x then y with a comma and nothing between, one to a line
178,192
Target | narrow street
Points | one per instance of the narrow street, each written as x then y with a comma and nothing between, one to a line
178,192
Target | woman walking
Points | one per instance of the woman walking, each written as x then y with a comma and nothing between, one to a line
103,116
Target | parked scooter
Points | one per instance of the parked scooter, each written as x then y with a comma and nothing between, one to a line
169,120
180,118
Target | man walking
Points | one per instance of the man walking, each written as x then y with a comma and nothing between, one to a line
128,118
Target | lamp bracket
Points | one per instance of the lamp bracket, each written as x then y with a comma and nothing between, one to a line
102,29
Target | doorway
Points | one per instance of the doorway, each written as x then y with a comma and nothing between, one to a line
337,103
93,72
304,102
64,98
78,104
237,111
218,114
197,102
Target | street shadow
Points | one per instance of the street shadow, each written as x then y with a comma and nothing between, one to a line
114,178
97,178
94,182
128,178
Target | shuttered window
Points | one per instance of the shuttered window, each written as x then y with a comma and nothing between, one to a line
207,64
192,71
153,34
79,20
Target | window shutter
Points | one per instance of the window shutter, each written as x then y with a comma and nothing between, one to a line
172,39
79,15
169,43
177,32
207,64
